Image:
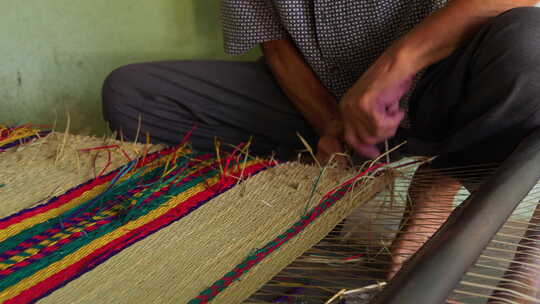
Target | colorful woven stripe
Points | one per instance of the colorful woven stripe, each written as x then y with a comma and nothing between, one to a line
258,256
13,136
45,247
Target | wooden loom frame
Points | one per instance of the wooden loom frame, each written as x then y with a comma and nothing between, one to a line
460,245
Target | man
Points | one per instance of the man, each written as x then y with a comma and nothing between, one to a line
336,71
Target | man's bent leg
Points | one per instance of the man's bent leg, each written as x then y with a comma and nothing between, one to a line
431,198
228,100
477,105
523,274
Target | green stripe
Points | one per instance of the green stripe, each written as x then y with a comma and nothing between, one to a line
116,190
219,284
24,235
78,243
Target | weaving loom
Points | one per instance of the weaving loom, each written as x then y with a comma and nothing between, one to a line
360,253
114,222
157,210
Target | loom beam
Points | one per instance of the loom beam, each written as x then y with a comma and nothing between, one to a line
434,271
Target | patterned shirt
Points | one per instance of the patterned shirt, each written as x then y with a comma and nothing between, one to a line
339,39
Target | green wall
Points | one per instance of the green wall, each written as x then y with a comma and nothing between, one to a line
54,54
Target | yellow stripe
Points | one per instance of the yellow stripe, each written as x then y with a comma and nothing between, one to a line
45,243
56,267
17,258
32,251
60,236
42,217
18,134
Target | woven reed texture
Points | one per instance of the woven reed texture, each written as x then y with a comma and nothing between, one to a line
177,263
35,172
313,234
359,255
50,247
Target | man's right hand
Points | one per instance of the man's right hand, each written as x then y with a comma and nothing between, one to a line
330,147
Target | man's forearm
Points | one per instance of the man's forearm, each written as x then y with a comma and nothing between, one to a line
441,33
302,86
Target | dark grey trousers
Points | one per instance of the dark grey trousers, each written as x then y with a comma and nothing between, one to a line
473,107
232,101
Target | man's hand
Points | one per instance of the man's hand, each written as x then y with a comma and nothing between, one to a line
331,146
370,110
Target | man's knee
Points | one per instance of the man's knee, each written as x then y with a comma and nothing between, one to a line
521,13
117,87
522,19
515,35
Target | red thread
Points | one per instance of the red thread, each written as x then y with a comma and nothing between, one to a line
109,162
99,148
188,135
76,192
354,257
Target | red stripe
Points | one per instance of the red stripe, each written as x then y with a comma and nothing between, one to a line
87,263
41,237
50,249
69,196
47,234
66,198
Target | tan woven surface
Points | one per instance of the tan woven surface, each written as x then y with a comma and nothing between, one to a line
34,173
313,234
177,263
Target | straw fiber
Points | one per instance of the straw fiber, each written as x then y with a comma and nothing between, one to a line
35,172
207,252
172,265
219,220
358,258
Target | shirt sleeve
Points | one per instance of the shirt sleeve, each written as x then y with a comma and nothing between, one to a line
247,23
